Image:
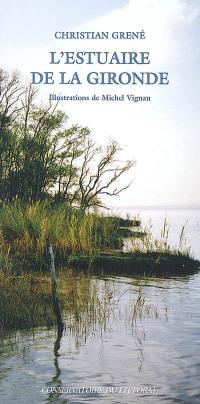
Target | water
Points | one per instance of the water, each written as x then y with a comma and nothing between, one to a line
158,349
176,218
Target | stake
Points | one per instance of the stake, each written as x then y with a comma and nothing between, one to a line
56,305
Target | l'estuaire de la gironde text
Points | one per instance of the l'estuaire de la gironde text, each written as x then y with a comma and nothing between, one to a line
97,60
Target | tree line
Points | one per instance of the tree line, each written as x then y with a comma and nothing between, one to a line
42,158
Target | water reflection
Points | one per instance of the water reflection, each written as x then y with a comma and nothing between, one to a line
82,329
56,380
120,338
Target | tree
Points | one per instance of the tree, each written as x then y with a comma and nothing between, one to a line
99,174
11,91
40,157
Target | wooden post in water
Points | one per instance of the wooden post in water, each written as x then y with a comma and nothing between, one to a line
56,305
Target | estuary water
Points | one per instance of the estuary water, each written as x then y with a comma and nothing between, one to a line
142,346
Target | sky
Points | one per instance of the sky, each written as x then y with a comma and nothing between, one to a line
163,135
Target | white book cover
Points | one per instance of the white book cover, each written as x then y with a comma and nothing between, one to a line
99,201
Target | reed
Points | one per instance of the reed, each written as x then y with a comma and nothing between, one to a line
150,244
139,308
25,229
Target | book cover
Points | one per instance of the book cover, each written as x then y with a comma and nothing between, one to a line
99,201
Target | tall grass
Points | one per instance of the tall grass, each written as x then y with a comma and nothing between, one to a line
149,243
24,230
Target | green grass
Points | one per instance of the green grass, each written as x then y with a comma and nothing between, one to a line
87,241
82,241
24,230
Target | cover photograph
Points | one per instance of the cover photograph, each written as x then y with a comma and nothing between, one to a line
99,201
